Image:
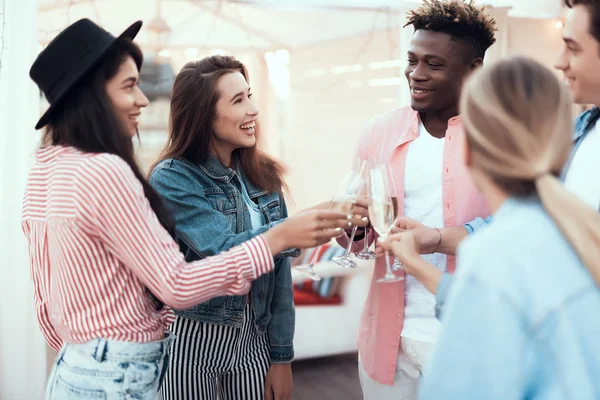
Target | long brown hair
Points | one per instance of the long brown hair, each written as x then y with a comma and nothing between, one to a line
518,122
87,121
192,114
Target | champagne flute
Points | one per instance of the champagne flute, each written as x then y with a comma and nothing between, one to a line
383,210
366,253
344,201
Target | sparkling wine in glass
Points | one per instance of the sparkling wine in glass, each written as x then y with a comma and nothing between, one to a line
383,210
344,201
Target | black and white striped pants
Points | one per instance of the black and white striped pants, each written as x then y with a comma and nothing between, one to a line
212,362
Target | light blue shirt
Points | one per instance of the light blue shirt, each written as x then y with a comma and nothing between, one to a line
256,217
523,318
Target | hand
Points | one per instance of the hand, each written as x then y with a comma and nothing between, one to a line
405,248
279,382
306,229
360,214
426,238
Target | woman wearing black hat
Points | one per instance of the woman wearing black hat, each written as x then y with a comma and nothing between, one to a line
102,259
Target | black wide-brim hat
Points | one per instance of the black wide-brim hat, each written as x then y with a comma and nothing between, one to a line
69,56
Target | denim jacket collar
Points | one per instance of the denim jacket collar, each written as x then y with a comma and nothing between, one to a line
214,169
585,122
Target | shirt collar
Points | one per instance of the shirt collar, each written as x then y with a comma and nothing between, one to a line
588,119
411,124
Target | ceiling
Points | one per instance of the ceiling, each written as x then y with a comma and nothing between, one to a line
241,25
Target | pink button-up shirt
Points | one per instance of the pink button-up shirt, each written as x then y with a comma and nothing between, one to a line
385,140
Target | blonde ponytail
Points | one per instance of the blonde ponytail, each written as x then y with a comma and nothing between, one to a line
518,121
579,223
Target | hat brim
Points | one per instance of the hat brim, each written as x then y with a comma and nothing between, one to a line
129,33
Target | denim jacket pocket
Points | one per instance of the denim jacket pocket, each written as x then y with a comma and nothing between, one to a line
273,210
225,206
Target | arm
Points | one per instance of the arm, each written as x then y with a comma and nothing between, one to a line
477,224
115,209
282,325
205,230
444,240
487,338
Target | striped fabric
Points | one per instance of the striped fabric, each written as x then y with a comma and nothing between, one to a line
95,245
212,361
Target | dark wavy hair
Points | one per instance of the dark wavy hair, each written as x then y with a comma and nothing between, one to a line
465,22
593,7
87,121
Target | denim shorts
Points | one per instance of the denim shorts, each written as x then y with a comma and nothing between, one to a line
109,370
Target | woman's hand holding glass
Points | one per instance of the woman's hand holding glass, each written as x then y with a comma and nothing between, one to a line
306,229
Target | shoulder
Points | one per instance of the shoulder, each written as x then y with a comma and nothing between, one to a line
391,117
105,167
172,168
526,233
173,164
107,179
179,177
377,127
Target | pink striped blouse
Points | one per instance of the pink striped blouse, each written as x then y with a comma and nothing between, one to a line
95,245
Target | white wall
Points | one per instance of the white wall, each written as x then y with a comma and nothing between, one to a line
22,347
329,107
327,111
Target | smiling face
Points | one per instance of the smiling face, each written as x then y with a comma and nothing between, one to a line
235,114
125,95
436,70
580,59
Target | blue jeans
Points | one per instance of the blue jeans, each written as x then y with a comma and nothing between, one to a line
109,370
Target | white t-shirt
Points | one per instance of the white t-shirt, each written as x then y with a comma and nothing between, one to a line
423,201
583,176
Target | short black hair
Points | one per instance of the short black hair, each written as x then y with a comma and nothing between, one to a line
465,22
593,7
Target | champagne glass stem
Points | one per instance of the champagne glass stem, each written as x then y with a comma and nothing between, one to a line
387,263
351,241
310,271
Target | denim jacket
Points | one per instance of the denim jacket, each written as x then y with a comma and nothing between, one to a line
211,217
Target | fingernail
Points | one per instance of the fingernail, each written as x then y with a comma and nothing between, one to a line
338,229
349,216
349,224
365,219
